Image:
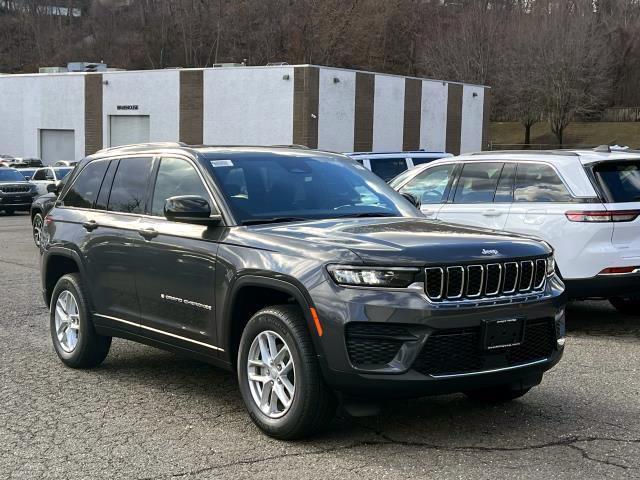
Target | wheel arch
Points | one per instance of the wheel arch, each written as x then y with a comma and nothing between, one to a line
59,262
244,303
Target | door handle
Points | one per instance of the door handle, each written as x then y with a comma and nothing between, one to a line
90,225
148,233
492,213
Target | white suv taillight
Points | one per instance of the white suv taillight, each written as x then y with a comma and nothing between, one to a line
603,216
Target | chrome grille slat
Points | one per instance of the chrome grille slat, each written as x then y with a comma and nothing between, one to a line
453,283
459,291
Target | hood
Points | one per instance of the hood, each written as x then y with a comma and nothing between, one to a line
409,241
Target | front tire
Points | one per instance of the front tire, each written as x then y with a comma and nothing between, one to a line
279,375
498,394
74,337
627,305
36,224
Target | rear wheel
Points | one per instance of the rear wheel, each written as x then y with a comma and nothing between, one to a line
36,224
74,337
279,375
627,305
498,394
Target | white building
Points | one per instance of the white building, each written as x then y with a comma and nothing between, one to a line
70,115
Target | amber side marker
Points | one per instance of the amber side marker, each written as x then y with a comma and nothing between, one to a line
316,320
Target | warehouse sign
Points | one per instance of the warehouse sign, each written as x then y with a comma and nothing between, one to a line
127,107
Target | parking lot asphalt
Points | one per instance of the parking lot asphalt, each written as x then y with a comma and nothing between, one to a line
149,414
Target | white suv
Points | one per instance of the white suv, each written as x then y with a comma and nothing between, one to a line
585,203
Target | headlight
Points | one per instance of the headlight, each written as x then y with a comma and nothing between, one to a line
372,276
551,266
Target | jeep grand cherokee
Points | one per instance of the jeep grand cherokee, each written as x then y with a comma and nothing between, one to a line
300,270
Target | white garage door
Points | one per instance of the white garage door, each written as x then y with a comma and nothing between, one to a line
57,145
128,129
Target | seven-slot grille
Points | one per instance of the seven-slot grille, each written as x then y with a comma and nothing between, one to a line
452,283
15,188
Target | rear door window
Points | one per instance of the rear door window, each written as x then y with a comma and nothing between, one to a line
478,183
129,189
539,183
619,181
387,168
84,191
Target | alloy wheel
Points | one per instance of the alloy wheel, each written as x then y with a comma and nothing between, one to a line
37,229
271,374
67,321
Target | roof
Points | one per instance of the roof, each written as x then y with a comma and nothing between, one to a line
253,67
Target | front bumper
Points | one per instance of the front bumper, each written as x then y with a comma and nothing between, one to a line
604,286
437,350
17,200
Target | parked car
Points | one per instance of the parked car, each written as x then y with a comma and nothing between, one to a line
65,163
26,163
49,176
16,194
389,164
27,173
584,203
303,272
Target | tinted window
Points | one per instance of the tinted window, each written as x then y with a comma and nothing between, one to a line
430,185
85,188
477,183
260,186
176,177
105,189
10,175
539,183
620,181
504,193
40,175
387,168
130,185
49,174
62,172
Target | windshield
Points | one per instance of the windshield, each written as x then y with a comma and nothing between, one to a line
62,172
10,175
265,187
620,181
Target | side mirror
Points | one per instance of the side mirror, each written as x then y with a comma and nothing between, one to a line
190,209
413,200
53,188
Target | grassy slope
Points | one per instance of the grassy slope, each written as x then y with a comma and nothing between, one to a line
579,133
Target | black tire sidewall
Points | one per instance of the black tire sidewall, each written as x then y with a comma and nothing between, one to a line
271,320
71,282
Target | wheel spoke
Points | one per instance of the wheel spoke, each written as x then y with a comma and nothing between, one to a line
265,398
74,321
273,403
257,364
264,349
282,395
287,368
288,385
62,328
259,378
273,351
279,357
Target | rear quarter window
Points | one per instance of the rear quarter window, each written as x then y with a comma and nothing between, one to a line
619,181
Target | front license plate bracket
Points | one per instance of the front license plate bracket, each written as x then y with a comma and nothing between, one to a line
503,333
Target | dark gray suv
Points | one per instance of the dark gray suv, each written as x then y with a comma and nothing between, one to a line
301,271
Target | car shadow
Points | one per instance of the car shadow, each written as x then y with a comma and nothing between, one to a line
600,318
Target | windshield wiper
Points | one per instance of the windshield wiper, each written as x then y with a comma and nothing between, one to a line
258,221
369,214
